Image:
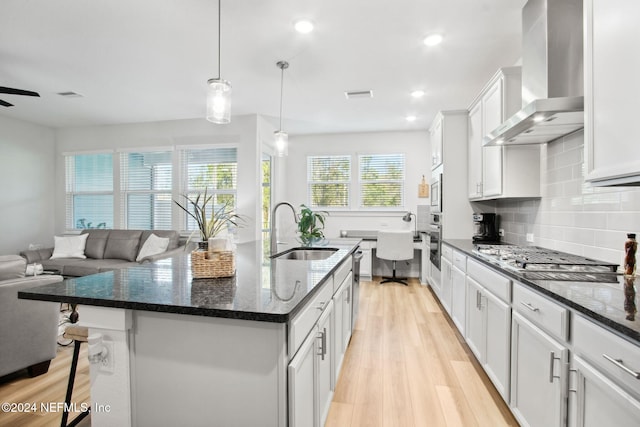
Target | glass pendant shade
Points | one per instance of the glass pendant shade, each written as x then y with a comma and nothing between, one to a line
282,143
219,101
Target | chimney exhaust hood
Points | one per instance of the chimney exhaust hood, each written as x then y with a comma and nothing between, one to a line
552,75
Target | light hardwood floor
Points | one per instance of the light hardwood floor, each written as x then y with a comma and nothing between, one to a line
47,389
407,365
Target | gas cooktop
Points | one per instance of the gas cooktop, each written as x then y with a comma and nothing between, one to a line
538,263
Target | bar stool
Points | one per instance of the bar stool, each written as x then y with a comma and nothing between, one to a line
79,335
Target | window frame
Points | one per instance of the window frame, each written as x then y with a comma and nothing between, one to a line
348,183
402,181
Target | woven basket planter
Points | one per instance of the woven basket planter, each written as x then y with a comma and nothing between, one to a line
209,265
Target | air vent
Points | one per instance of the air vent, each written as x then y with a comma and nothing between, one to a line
70,94
359,94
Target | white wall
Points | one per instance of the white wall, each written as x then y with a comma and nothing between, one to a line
572,216
248,132
27,196
415,146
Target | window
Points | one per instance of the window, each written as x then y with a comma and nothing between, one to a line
145,196
381,180
89,190
215,169
329,181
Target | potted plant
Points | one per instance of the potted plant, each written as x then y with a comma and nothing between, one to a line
211,220
310,225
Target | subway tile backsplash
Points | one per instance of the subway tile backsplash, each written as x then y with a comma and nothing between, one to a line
571,215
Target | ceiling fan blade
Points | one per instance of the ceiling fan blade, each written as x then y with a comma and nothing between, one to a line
12,91
5,103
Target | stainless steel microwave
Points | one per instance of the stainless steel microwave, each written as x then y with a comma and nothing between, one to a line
436,194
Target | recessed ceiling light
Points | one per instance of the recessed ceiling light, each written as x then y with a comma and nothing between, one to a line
417,93
303,26
433,40
411,118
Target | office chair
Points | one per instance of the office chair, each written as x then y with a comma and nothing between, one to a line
395,246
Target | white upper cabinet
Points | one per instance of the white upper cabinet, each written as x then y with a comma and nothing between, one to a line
500,172
612,66
436,143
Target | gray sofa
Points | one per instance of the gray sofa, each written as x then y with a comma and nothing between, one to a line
28,329
105,250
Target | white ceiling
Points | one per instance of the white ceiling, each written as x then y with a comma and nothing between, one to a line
149,60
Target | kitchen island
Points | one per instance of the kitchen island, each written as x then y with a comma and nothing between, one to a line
227,351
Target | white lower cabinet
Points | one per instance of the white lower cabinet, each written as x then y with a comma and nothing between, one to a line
488,326
597,401
342,305
446,283
311,375
604,385
538,375
459,291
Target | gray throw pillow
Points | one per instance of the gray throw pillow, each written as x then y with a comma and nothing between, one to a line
96,243
122,244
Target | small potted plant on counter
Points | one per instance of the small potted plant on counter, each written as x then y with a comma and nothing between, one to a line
211,219
311,225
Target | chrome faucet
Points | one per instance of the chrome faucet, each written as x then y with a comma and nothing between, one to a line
274,234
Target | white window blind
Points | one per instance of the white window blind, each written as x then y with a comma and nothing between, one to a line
381,180
213,169
145,196
89,190
329,181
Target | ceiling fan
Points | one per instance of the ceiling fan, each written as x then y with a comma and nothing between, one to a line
11,91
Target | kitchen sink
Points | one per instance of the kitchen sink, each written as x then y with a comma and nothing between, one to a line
306,254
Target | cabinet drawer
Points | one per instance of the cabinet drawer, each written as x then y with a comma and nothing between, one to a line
496,283
447,252
616,357
459,260
303,321
542,311
342,272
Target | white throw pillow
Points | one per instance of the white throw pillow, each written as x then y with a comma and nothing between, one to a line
69,246
153,246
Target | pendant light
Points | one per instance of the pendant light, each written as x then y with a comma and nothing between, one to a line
219,90
281,137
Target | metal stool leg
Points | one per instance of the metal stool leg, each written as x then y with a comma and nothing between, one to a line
67,399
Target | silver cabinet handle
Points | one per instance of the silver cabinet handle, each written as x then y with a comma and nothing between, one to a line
572,371
323,343
552,358
348,296
478,300
620,364
529,306
320,306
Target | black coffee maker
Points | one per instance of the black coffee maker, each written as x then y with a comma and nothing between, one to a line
485,226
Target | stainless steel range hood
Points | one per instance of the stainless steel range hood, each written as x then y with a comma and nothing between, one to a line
552,75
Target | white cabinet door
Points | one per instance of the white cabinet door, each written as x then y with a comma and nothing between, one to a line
612,67
365,263
324,356
538,376
493,116
445,285
492,172
302,384
346,314
600,402
475,319
342,321
475,151
436,143
498,338
458,299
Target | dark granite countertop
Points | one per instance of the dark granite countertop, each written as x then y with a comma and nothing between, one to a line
612,304
269,291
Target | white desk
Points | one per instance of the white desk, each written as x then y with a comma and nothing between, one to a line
368,246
